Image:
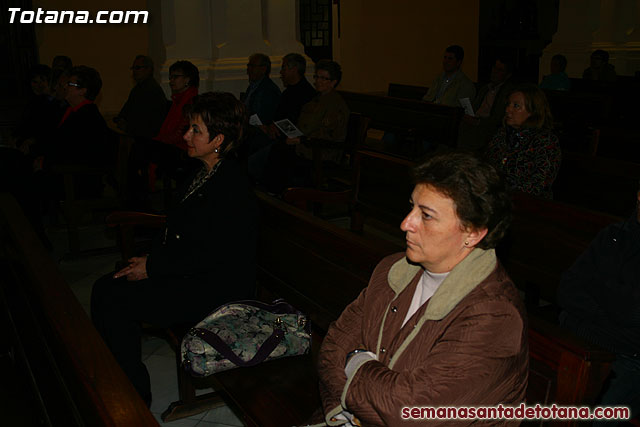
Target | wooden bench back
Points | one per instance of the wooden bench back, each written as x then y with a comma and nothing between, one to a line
78,379
320,268
598,183
564,369
437,123
545,238
397,90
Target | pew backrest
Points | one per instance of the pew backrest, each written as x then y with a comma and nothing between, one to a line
437,123
397,90
79,381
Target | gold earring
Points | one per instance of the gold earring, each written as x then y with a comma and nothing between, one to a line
466,243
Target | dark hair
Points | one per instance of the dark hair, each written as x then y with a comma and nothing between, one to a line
535,101
146,61
189,70
331,67
264,60
223,114
62,61
603,54
296,60
88,78
480,197
561,60
41,70
458,51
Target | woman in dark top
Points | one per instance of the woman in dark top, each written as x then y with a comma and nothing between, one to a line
525,150
81,137
206,255
166,150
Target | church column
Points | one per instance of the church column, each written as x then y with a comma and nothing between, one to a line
219,35
584,26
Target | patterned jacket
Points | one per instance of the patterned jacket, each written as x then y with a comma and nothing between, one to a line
529,159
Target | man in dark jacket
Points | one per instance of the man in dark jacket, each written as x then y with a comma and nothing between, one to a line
146,107
297,93
600,295
262,95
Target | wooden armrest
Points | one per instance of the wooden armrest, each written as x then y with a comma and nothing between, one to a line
120,218
562,338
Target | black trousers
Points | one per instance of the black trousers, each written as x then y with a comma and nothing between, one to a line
119,307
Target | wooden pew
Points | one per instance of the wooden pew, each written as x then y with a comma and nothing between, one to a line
315,266
564,369
382,186
115,174
617,143
75,381
408,119
598,183
397,90
545,238
576,114
320,268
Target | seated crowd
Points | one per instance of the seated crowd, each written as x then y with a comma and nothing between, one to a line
440,324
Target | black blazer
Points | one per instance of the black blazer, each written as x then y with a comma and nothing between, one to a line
210,239
83,138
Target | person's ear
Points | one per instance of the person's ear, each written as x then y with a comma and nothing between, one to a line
474,237
217,141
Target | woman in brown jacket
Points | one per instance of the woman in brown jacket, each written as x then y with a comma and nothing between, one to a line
440,325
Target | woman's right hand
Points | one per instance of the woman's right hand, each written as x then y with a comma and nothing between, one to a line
136,270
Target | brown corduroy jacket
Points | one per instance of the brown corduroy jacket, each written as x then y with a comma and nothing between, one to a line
467,346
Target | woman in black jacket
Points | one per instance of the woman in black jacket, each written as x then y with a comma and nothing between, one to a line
206,255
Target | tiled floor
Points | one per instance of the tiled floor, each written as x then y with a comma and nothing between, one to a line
80,274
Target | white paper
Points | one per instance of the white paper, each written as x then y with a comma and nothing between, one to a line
466,104
254,120
288,128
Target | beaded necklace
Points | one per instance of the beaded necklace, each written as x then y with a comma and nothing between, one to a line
199,180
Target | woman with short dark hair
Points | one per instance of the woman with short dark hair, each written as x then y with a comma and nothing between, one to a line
206,255
525,150
440,324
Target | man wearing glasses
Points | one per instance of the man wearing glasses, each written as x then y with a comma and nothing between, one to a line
262,95
146,107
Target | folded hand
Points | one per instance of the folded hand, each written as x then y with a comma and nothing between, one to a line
136,270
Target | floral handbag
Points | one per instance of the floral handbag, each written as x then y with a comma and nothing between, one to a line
244,333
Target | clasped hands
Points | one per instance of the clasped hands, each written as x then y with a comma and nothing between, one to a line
136,270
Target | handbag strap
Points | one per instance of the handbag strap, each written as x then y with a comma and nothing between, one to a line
217,343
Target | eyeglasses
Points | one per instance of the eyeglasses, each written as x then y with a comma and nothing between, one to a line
138,67
317,77
175,76
73,84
